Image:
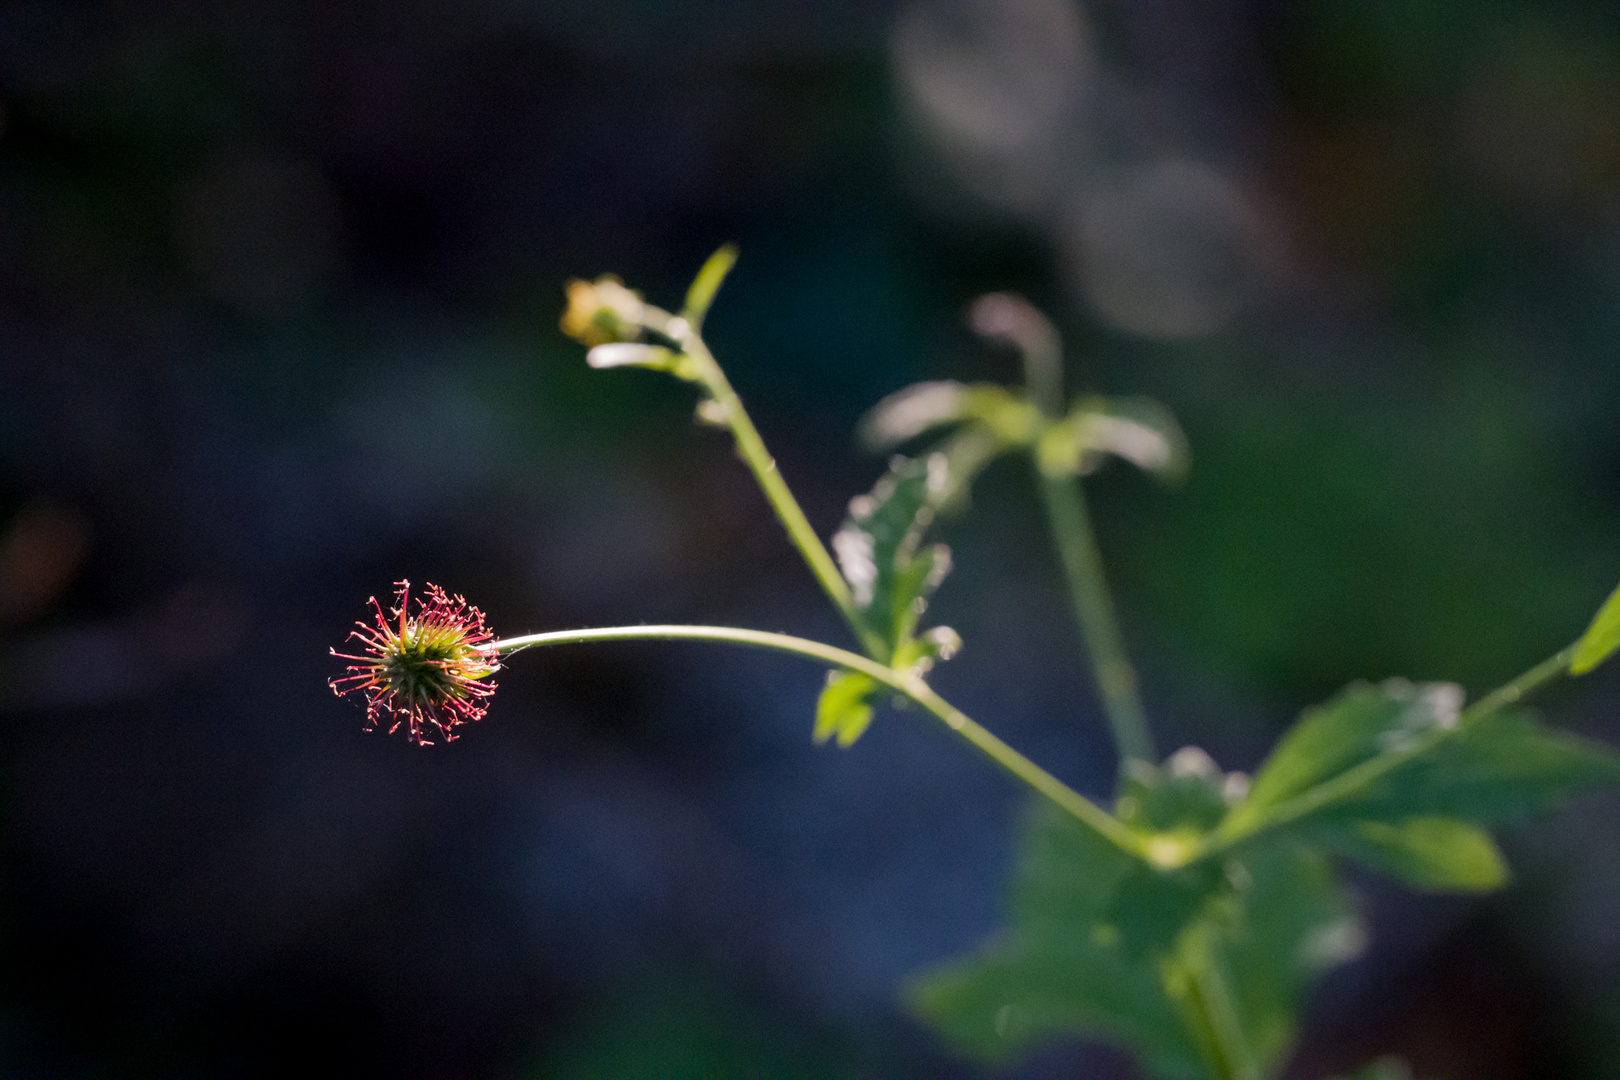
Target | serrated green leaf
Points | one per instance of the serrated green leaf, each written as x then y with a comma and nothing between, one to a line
879,549
1499,768
701,294
1061,968
1361,723
1601,639
1436,854
844,709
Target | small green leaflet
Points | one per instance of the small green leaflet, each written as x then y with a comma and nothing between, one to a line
1139,430
844,709
707,283
880,551
1601,639
1436,854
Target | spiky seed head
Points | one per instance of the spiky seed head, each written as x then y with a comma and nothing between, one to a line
426,671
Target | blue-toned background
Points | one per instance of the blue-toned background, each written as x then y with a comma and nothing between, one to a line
278,295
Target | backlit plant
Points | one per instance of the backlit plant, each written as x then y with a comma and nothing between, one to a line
1187,922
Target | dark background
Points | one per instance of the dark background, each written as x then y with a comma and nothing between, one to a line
278,293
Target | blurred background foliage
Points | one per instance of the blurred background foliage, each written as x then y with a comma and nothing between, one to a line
278,293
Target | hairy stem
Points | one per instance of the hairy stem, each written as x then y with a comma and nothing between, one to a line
905,682
1088,590
760,462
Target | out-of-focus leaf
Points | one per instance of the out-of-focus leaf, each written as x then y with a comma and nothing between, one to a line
1436,854
844,709
1288,920
1500,767
922,652
989,421
1601,639
1151,907
707,283
1385,1068
905,414
1187,793
1361,723
1061,967
1138,430
890,574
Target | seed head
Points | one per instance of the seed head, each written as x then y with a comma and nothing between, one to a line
422,669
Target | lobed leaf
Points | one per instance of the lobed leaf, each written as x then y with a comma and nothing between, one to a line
1436,854
1289,920
879,548
1498,767
1601,639
1363,722
1061,968
844,709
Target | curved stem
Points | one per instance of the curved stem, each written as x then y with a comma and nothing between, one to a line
760,462
912,686
1088,590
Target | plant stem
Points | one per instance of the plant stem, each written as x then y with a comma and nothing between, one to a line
1193,978
905,682
1353,781
1040,347
1082,567
760,462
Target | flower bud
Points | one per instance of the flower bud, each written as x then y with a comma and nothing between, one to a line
602,312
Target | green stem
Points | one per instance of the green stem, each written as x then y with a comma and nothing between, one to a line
760,462
1353,781
1194,980
905,682
1088,590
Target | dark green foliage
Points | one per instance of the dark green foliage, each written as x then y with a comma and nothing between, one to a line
1061,966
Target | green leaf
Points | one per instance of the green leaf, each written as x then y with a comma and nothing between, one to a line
1288,920
1361,723
1436,854
1601,639
844,709
1061,968
1139,430
1498,768
879,549
707,283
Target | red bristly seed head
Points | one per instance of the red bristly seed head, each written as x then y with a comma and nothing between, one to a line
430,668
